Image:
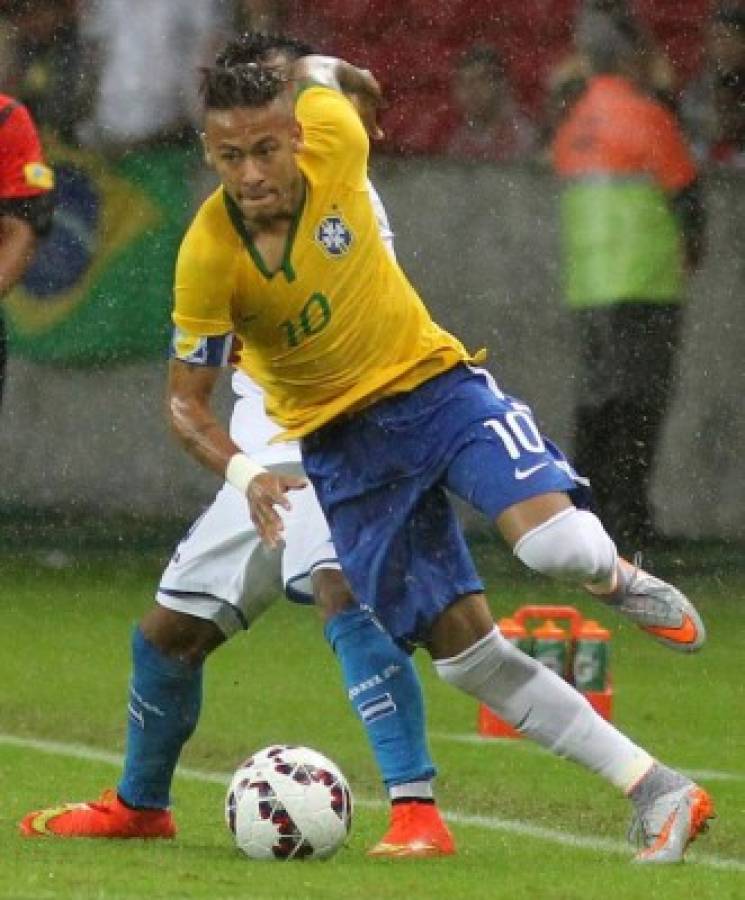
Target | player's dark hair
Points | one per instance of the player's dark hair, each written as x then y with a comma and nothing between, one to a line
257,46
239,77
245,84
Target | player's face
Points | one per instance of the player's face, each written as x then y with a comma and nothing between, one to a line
253,151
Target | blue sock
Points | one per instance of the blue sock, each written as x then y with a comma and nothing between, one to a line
384,689
165,698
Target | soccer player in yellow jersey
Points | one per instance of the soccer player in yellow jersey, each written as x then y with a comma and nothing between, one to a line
390,413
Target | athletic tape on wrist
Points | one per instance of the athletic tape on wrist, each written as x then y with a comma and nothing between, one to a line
241,471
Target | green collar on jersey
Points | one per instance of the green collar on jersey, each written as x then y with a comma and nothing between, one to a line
236,217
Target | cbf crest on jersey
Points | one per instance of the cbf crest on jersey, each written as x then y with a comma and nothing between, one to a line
334,236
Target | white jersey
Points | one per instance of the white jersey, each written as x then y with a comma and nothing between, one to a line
250,427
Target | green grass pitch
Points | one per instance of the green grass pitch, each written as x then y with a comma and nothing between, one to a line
527,825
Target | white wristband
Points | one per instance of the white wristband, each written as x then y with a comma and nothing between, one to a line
241,471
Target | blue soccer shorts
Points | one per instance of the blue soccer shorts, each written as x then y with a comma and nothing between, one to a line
382,477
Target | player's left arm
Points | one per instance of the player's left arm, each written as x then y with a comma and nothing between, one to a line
675,170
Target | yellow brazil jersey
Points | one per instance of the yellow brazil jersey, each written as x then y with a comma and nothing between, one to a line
337,326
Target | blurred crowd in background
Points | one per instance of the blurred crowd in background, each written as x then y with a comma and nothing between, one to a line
469,79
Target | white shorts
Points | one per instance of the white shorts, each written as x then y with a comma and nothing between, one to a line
222,572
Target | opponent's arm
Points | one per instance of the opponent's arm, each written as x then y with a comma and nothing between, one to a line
189,409
358,84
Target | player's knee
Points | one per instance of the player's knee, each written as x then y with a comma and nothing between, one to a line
331,593
572,545
186,638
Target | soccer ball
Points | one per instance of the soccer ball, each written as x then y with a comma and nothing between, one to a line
288,802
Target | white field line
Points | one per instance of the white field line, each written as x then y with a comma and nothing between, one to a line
489,823
529,747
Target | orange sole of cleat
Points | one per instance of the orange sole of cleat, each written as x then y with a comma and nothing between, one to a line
686,634
408,851
36,825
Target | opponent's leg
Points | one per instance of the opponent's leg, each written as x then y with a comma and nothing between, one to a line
217,582
470,653
168,649
383,687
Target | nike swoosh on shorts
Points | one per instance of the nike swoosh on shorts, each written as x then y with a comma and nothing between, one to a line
521,474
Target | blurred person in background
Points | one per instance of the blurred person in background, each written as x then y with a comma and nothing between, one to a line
567,80
46,64
632,227
713,105
26,185
491,128
139,50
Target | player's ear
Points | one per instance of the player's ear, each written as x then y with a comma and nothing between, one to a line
205,149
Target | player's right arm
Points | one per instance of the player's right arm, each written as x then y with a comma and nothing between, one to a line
189,407
201,346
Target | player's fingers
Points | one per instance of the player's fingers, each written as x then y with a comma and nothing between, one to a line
269,525
285,484
295,483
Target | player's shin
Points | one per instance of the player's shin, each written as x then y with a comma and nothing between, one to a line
384,690
164,704
542,706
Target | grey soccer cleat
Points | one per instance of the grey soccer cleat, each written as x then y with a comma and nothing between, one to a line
657,608
667,825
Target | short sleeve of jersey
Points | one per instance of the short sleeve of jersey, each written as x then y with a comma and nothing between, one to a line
671,160
22,170
203,284
335,144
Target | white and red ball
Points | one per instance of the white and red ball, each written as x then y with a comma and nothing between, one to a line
287,802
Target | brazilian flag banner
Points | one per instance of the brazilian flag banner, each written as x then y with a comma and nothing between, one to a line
99,288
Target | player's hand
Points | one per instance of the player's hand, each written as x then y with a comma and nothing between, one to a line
367,109
265,492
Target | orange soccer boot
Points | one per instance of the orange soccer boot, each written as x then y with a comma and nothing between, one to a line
107,817
416,830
